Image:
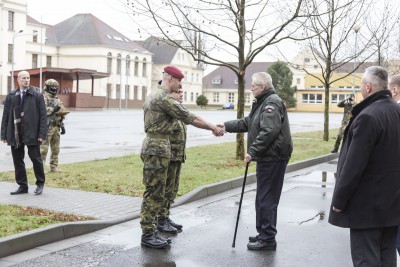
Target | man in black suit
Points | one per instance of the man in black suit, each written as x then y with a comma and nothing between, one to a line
24,123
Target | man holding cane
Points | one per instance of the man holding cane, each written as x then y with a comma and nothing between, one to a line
270,145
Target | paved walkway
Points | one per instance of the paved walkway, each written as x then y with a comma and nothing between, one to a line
89,204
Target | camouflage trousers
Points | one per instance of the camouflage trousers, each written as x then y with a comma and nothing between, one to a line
340,135
155,171
171,188
52,141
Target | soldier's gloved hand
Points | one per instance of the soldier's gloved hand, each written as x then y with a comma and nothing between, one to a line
57,108
62,130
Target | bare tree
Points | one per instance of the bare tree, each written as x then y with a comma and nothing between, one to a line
384,32
239,28
333,25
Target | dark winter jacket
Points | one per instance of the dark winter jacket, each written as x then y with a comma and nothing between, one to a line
368,173
268,128
34,121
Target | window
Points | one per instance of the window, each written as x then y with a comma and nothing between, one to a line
336,98
10,20
315,66
126,91
231,97
186,77
136,67
135,92
197,95
247,98
34,36
34,61
109,62
128,65
144,68
192,77
307,60
216,81
191,96
10,51
216,97
108,90
298,81
311,98
118,93
185,96
197,78
119,59
144,92
48,61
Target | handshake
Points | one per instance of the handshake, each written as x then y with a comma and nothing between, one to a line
219,130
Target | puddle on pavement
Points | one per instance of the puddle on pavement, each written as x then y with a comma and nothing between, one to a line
314,177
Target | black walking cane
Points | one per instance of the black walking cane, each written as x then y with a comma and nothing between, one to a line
240,203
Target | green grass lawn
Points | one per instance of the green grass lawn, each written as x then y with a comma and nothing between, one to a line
15,219
204,165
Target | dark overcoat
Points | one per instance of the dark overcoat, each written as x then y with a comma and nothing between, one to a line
367,186
35,118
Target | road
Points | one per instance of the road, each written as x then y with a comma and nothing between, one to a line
101,134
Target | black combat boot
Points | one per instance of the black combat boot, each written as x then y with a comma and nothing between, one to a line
165,227
174,224
157,234
152,240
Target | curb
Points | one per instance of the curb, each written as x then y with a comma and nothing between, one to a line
42,236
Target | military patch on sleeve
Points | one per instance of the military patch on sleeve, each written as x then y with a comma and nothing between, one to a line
269,109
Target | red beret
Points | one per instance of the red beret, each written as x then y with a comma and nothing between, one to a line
174,72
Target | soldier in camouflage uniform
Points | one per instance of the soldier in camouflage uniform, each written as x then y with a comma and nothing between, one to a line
161,111
178,144
348,105
55,116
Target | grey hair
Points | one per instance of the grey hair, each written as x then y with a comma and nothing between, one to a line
262,78
377,76
395,80
22,72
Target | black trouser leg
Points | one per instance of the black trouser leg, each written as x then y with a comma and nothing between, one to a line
270,177
36,158
374,247
18,155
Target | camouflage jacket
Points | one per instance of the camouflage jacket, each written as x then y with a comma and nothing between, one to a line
54,119
178,142
348,106
161,114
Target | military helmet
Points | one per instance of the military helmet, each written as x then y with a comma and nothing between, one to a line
51,86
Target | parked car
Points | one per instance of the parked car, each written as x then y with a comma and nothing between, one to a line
228,106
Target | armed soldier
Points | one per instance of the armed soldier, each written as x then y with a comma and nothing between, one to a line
55,123
348,105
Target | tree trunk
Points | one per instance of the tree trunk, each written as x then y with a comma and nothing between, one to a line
240,114
326,114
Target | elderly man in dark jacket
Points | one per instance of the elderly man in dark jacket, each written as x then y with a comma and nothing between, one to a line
366,198
270,145
24,123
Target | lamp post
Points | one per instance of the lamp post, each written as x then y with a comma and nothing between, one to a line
12,54
356,28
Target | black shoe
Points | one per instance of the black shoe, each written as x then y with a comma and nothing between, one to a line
174,224
262,245
152,240
334,150
165,227
157,234
20,190
39,190
253,239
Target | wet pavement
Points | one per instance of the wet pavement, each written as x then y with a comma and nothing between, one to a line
304,236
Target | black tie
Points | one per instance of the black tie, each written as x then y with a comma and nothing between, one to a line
22,97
